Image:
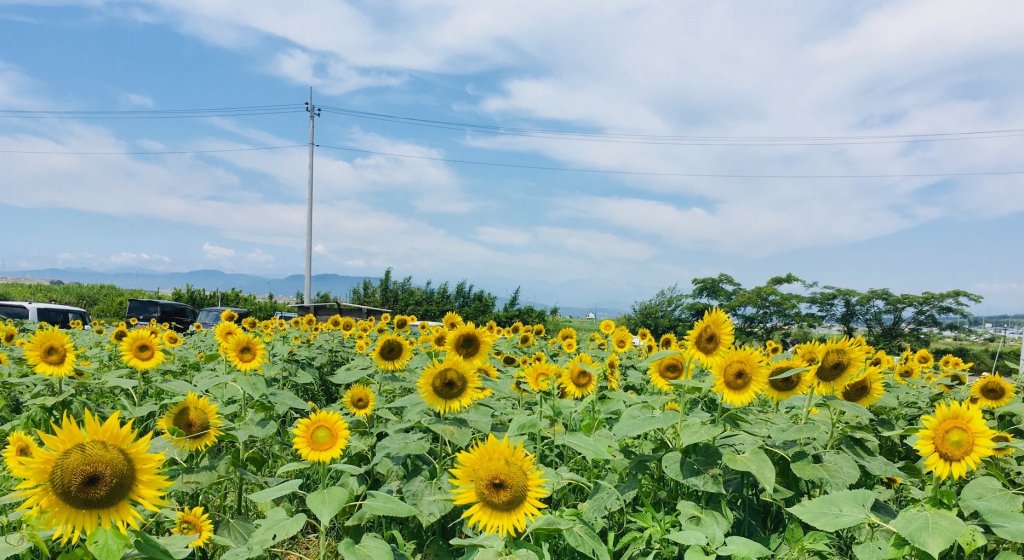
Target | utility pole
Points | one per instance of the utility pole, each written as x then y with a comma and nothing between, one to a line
313,111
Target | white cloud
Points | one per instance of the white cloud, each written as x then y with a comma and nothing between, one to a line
215,253
258,256
136,100
149,260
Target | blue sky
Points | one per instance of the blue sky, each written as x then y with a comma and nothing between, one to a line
865,74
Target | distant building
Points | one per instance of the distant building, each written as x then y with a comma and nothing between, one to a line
590,315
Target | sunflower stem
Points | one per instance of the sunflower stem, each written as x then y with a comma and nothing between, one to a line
323,526
807,405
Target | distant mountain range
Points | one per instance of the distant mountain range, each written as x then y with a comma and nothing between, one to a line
339,286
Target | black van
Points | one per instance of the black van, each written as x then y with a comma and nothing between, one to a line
210,316
180,316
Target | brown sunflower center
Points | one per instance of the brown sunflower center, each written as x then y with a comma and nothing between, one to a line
783,384
23,451
467,345
246,353
391,350
144,351
923,360
188,527
8,337
1001,438
93,475
954,440
359,402
671,370
193,421
834,364
509,360
503,487
449,383
582,378
993,390
857,390
736,377
707,340
53,354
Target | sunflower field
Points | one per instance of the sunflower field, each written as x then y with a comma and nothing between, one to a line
398,439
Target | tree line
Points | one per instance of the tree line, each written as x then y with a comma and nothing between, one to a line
786,306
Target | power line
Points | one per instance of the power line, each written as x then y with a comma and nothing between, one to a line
148,153
253,110
625,138
670,174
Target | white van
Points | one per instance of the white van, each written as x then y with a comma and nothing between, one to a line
54,314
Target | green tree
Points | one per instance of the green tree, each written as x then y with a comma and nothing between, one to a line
842,306
666,312
897,321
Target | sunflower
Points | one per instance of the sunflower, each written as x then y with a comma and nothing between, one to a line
612,370
295,322
359,400
906,369
954,440
1003,439
840,362
992,391
566,333
4,360
924,358
526,339
385,318
578,379
392,353
172,339
470,343
809,352
309,321
487,369
51,352
881,360
321,437
92,476
439,339
21,447
948,361
362,346
516,328
401,323
502,484
569,346
867,390
449,386
539,330
225,331
228,316
772,348
451,320
740,374
711,337
539,375
194,522
197,418
607,326
668,341
673,367
622,340
781,388
246,352
950,379
7,334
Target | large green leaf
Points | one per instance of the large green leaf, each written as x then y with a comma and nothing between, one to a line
641,419
837,510
930,530
581,537
593,447
275,492
755,462
107,543
837,470
1007,524
326,503
986,495
379,503
700,468
741,547
370,547
695,431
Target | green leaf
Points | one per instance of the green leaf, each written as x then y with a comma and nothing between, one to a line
930,530
688,537
523,425
1007,524
837,510
326,503
986,495
150,548
275,528
837,470
548,524
590,446
695,431
454,433
379,503
107,543
789,373
275,492
755,462
431,498
349,373
700,468
641,419
13,543
741,547
370,547
971,539
581,537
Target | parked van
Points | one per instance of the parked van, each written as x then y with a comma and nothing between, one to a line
179,315
210,316
52,313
